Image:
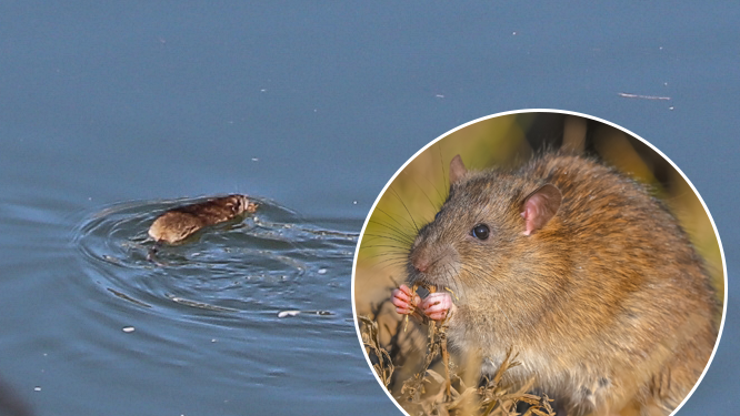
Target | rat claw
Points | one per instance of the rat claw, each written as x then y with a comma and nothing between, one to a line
403,291
438,316
437,306
404,300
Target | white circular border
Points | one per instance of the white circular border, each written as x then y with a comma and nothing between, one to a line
525,111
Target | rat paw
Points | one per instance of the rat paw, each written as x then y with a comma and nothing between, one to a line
405,300
437,306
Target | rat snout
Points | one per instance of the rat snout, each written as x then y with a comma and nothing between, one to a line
420,263
421,259
433,261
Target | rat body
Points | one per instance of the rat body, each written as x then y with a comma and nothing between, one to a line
574,266
177,224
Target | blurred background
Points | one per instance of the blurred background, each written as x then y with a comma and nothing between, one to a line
419,189
110,110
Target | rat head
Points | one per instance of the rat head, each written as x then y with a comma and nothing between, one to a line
490,224
239,204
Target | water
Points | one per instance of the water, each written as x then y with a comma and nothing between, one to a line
109,113
264,261
204,316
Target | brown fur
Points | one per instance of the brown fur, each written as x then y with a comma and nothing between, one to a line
607,304
177,224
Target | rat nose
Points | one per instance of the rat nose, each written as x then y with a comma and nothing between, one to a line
420,264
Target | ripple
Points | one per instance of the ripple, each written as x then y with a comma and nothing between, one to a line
265,262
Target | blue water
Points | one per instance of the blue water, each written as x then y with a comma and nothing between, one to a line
109,112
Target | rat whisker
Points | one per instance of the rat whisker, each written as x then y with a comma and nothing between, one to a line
402,242
405,207
398,232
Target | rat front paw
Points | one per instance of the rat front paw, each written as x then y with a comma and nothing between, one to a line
437,306
405,300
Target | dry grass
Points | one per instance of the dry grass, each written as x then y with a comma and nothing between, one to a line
435,384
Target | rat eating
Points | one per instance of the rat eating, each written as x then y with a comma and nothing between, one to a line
578,269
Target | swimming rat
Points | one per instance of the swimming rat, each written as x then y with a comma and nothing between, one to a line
179,223
578,269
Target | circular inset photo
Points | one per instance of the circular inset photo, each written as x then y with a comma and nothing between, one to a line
539,262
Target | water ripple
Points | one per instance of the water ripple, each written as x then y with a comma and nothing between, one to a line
266,262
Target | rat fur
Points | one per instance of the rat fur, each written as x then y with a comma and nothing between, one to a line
179,223
585,275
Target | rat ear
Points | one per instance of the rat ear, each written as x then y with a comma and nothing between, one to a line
540,206
457,169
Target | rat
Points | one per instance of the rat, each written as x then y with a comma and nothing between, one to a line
580,271
179,223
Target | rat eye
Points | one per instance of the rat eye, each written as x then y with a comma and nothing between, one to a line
481,232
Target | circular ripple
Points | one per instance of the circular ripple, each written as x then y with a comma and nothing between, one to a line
266,261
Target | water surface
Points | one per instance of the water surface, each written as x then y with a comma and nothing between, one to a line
204,316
